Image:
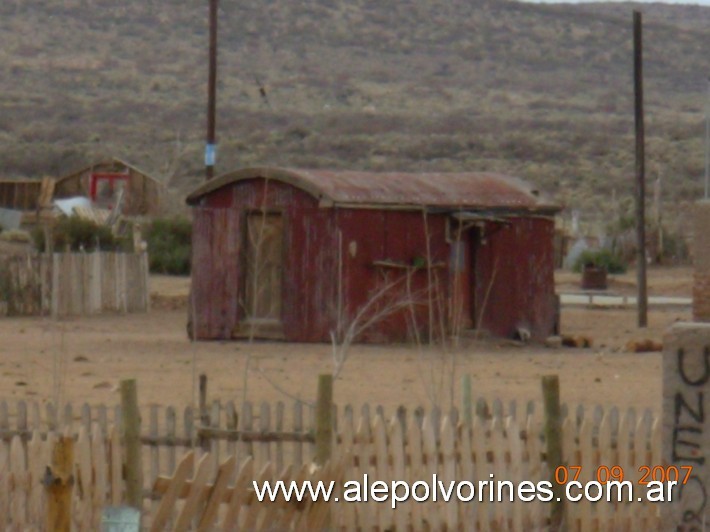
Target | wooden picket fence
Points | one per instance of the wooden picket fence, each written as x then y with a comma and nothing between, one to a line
75,284
232,447
413,449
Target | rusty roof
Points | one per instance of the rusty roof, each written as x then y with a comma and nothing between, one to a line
480,190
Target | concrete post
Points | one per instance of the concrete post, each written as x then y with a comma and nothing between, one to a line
686,424
701,260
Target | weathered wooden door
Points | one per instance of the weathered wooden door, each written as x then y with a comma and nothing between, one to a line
264,264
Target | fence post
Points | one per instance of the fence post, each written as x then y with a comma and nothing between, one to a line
466,399
553,441
131,422
204,443
59,481
324,419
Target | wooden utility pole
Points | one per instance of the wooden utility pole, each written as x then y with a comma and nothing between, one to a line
131,425
324,419
642,298
553,451
211,146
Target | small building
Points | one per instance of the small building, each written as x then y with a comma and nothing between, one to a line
102,183
20,194
308,255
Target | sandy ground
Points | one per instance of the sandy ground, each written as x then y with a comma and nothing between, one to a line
83,360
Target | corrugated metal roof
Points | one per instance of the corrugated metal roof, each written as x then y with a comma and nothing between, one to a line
397,189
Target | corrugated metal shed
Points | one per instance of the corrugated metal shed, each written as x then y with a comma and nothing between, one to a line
480,190
298,254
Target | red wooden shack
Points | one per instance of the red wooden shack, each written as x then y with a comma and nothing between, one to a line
308,255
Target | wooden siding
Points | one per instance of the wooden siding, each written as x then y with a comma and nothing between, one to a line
20,195
519,257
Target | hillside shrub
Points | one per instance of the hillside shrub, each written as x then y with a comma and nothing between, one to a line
169,245
600,258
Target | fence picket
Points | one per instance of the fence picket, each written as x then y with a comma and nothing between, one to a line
86,417
379,450
448,470
417,464
35,417
195,495
232,424
252,516
606,454
35,466
51,413
278,447
5,491
154,451
283,512
215,420
164,512
362,451
68,419
171,435
189,434
247,426
217,494
20,481
298,428
498,445
431,459
239,495
21,418
100,472
264,454
516,471
84,480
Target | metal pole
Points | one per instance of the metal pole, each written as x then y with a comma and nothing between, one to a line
707,143
640,173
211,147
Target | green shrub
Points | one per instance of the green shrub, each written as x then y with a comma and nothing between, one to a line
78,234
170,245
601,258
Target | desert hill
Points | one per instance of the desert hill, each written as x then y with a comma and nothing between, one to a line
541,91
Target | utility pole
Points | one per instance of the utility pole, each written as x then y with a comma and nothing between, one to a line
211,146
707,142
642,297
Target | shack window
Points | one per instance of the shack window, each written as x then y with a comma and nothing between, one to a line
105,188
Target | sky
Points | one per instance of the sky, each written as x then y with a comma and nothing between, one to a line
695,2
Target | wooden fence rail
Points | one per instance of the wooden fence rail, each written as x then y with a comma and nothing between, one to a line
73,284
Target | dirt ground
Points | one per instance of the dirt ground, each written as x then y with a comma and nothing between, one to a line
83,360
